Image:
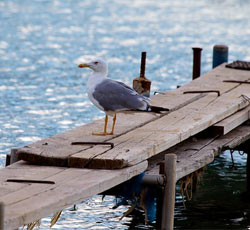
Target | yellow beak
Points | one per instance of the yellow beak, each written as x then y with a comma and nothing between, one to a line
83,65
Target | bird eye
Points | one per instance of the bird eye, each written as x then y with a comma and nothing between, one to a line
96,62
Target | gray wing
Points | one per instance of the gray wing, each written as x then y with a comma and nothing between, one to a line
116,96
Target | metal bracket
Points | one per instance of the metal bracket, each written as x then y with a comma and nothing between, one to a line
156,92
30,181
111,144
236,81
202,91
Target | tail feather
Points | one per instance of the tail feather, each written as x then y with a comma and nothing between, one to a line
157,109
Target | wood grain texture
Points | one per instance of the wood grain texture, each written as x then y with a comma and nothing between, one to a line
198,151
163,133
142,135
136,140
228,124
29,202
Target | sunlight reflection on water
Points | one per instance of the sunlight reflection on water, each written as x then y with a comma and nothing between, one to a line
41,42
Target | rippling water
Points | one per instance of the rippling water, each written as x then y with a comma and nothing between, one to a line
41,42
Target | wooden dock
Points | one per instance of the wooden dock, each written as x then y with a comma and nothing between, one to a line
205,118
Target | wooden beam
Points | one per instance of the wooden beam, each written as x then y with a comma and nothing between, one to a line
71,186
198,151
228,124
143,135
163,133
13,156
58,150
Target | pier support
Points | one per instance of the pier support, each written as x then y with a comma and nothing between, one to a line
1,216
247,151
141,84
167,222
248,173
220,55
13,156
196,62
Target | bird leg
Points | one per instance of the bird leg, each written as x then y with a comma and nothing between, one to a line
105,127
113,125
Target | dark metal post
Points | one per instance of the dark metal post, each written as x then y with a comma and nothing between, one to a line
141,84
220,55
7,160
196,62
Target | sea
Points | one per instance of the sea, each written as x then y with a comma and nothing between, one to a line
43,93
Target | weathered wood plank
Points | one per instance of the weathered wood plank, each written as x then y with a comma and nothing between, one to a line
57,149
21,170
228,124
198,151
152,135
161,134
71,186
51,151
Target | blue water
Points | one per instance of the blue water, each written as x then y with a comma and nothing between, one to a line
43,92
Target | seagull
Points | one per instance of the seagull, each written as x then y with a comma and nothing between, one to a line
112,96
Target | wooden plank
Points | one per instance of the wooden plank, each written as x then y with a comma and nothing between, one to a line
161,134
196,152
204,155
22,170
225,126
71,186
57,149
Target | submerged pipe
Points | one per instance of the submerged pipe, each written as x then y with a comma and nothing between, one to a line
149,179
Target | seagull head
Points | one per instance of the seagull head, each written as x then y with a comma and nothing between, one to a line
98,66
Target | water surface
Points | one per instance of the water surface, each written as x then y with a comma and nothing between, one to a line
43,92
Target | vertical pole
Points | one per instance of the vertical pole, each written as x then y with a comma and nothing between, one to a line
159,200
143,64
13,156
220,55
7,160
141,84
196,62
167,222
1,216
248,172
